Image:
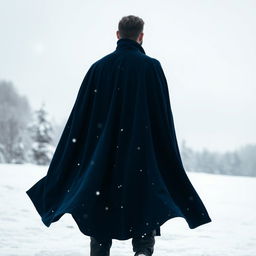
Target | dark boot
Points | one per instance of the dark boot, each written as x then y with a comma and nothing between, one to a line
100,247
144,245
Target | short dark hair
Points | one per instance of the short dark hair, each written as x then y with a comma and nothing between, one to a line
130,27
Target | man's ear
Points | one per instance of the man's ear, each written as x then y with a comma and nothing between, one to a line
141,36
117,34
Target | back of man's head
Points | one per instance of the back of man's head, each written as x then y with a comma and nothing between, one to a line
130,27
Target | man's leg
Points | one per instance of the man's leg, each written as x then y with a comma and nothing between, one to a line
100,247
144,245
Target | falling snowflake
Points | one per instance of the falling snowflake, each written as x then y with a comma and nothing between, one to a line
95,90
119,186
74,140
202,213
140,170
97,193
78,164
147,223
187,209
122,206
117,146
92,162
106,208
68,190
122,129
144,235
138,148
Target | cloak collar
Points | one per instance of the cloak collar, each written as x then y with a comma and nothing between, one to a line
126,43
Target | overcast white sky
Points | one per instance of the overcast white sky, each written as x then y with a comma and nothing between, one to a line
207,50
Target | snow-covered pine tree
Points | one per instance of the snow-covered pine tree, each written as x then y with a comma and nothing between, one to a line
18,152
2,158
42,135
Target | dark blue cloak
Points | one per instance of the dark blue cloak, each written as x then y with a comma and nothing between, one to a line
117,168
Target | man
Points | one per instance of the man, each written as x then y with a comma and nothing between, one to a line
117,167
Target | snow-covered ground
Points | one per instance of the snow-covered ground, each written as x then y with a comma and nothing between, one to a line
230,201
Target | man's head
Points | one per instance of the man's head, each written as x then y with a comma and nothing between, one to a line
131,27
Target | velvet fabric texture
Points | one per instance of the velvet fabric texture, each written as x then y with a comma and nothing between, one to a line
117,168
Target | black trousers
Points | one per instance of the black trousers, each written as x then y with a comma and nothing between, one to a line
141,244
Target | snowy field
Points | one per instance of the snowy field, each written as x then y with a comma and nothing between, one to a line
230,201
